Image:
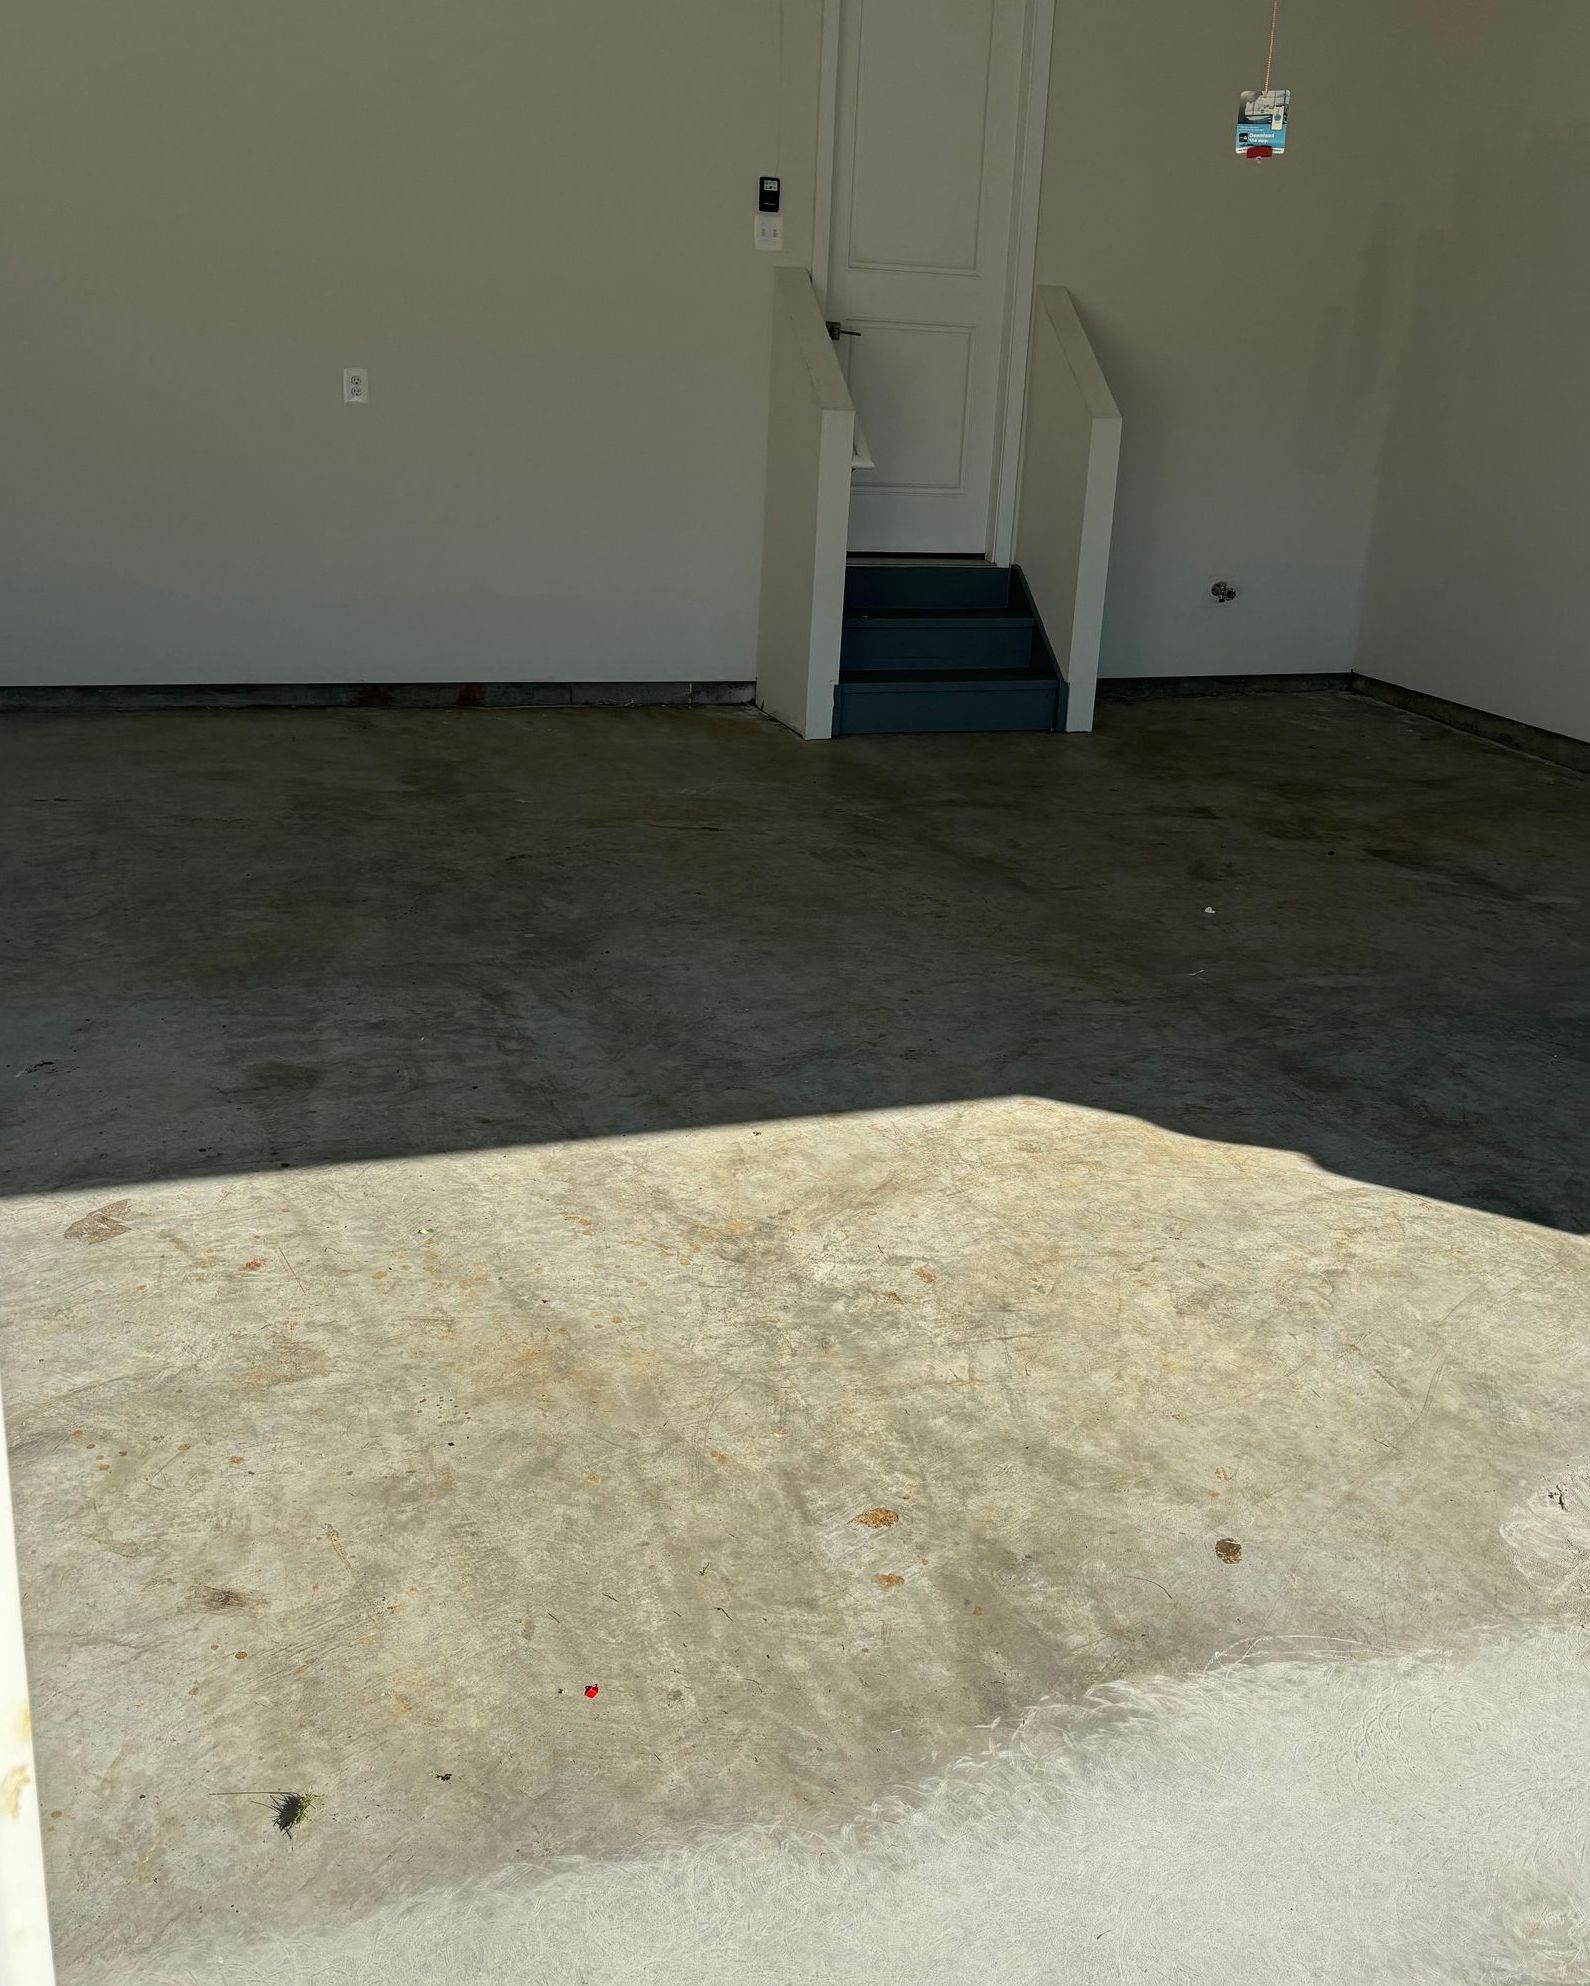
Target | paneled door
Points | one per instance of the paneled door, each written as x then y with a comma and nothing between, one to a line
927,116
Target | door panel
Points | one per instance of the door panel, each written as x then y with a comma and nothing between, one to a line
913,381
923,183
917,184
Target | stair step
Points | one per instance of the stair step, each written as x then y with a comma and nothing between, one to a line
873,703
917,642
943,646
956,586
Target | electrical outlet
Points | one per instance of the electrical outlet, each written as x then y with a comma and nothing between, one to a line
356,386
770,232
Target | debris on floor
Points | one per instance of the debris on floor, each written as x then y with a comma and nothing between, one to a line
289,1809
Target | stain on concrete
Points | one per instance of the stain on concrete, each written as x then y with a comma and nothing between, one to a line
228,1600
291,1360
1228,1551
103,1224
878,1519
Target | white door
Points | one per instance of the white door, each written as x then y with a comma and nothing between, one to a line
926,136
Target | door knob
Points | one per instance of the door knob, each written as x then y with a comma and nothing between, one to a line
836,330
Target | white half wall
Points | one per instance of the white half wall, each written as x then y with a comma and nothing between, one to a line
532,224
811,446
1066,514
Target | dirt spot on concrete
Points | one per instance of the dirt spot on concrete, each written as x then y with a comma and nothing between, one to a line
228,1600
1228,1551
878,1520
257,1263
103,1224
703,1233
924,1275
888,1579
292,1361
293,1077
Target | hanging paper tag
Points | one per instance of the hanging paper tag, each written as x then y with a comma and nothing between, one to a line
1262,117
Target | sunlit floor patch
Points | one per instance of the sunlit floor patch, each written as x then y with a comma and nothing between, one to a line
1393,1822
823,1449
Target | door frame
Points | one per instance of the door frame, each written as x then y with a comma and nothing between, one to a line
1032,118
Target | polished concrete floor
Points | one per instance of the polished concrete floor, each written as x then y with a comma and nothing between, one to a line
911,1266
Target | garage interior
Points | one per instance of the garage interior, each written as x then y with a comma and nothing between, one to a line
645,1345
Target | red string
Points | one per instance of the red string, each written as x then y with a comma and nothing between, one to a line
1269,66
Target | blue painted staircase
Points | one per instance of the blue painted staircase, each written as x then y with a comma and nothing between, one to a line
943,645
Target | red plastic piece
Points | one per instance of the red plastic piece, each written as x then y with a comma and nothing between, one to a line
592,1688
1261,151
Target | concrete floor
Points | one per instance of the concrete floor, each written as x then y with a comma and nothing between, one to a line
1041,1252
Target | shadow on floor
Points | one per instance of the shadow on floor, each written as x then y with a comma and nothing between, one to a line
240,941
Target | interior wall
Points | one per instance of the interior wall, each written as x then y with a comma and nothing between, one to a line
532,224
1245,314
1476,589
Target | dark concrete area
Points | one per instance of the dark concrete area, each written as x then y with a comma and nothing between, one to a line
240,941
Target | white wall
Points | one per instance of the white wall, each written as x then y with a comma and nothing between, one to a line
1244,314
532,222
1477,581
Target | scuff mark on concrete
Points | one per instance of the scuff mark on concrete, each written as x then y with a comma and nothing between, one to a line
103,1224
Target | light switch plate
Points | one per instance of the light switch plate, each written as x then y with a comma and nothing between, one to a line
770,232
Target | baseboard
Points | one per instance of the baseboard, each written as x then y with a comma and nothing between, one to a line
123,697
1553,746
1142,689
1574,753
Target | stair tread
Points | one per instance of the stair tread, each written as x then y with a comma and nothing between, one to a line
971,588
897,679
980,617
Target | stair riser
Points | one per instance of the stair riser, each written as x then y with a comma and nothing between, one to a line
951,589
862,710
919,647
